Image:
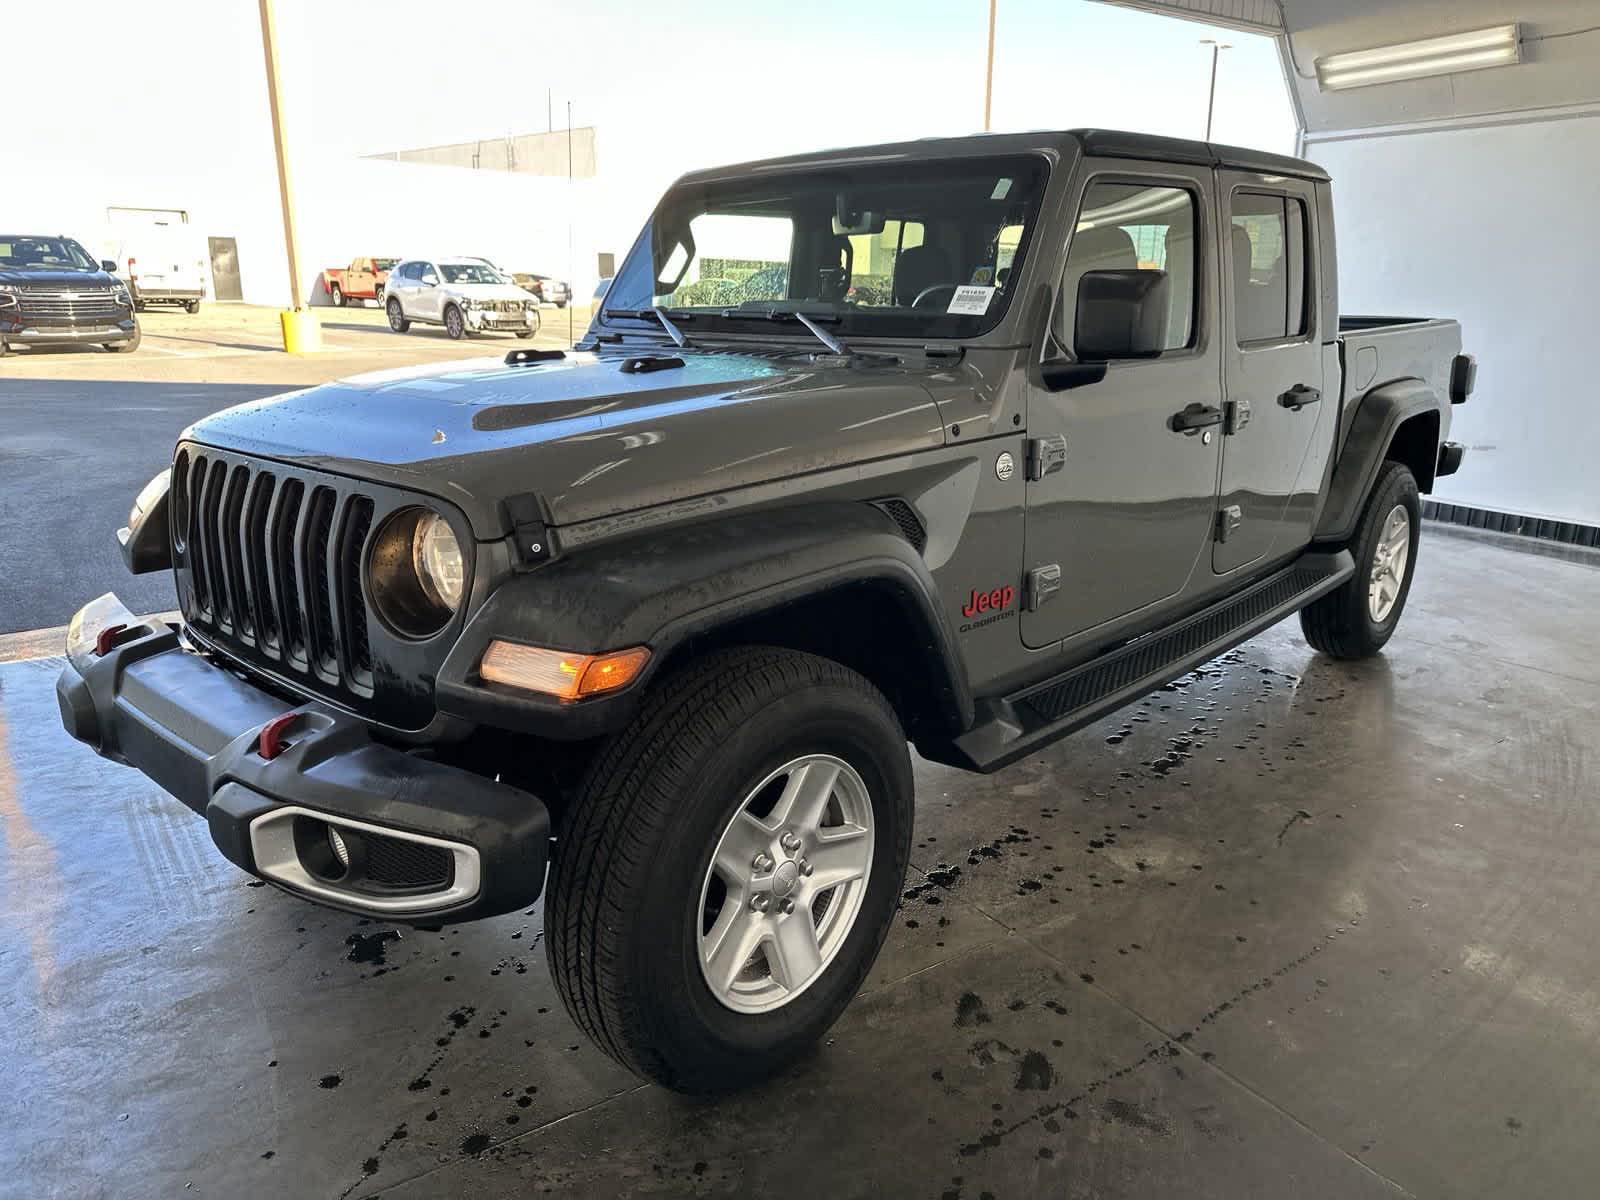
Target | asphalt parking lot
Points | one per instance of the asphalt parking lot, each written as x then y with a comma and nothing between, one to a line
85,429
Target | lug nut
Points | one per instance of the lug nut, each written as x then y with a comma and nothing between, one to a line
787,905
805,867
762,863
789,841
760,903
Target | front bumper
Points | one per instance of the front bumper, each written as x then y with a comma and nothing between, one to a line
134,691
515,321
20,332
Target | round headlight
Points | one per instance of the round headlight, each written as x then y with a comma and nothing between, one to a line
416,572
436,555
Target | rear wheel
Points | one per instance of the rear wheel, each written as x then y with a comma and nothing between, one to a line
336,294
1355,620
730,867
397,316
454,324
192,307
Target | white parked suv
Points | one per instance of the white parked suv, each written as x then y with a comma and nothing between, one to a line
463,295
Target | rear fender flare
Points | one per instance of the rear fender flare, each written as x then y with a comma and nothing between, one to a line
663,589
1378,415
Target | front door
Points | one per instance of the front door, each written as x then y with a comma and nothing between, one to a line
1129,513
1279,430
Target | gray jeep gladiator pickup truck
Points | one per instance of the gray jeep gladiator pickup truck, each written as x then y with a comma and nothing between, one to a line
963,443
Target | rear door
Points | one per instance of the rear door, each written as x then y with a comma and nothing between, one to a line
1124,498
1277,428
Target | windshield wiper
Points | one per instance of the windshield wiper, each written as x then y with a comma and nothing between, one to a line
654,313
834,345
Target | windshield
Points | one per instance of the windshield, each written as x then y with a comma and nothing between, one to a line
897,250
384,264
469,273
44,254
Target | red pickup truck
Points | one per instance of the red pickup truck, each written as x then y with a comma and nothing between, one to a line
363,279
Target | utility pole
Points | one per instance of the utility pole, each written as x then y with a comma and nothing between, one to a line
988,71
301,332
570,262
1211,96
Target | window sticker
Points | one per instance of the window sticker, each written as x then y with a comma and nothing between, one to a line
1002,188
983,276
971,300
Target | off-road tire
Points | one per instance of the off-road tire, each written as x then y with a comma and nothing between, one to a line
129,346
396,315
624,903
1340,624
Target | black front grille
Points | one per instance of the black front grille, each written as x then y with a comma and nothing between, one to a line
274,565
70,308
406,865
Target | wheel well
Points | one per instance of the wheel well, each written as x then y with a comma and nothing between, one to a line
869,627
1416,443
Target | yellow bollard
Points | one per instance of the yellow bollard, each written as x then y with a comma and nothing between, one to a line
302,332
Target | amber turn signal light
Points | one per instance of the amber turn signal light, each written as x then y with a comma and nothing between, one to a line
560,673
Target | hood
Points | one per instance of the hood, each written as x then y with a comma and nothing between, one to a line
488,291
88,281
590,438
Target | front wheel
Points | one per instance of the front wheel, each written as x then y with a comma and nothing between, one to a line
397,316
1356,619
454,324
730,867
129,346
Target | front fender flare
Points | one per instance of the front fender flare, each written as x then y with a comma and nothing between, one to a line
662,589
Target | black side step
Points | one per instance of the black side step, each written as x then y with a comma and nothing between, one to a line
1019,724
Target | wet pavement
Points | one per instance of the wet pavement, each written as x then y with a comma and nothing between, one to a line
1286,928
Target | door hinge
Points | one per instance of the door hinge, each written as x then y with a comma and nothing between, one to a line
1041,584
1237,415
1046,455
1229,518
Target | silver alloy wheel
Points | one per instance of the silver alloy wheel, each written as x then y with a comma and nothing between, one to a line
785,885
1389,564
395,315
453,324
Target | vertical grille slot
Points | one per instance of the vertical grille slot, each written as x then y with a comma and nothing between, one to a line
210,525
192,538
257,554
285,570
318,533
229,534
180,499
352,609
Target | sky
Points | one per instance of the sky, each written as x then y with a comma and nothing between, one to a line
669,86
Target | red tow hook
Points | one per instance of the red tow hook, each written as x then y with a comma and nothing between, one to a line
272,744
106,638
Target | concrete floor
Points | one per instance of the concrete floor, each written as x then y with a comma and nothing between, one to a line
1288,928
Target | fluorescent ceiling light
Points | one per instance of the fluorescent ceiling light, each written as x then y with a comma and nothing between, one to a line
1497,47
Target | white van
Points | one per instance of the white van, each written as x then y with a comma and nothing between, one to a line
162,264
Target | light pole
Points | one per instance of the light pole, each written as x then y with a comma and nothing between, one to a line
301,332
988,71
1211,96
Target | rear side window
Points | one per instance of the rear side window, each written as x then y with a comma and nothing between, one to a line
1138,227
1268,235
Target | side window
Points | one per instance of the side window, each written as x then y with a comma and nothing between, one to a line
1268,235
1144,228
413,270
427,274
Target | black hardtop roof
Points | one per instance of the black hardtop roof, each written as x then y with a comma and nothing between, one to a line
1102,143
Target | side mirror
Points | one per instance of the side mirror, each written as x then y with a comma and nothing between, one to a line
109,267
1121,314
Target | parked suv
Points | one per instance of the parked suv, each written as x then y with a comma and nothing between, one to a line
665,611
466,296
52,292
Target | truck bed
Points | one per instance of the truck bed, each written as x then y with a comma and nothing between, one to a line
1375,350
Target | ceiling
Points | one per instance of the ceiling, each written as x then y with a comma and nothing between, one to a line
1560,66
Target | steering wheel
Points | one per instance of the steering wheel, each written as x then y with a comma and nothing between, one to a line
929,291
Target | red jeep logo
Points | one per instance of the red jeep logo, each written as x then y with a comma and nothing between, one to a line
996,601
